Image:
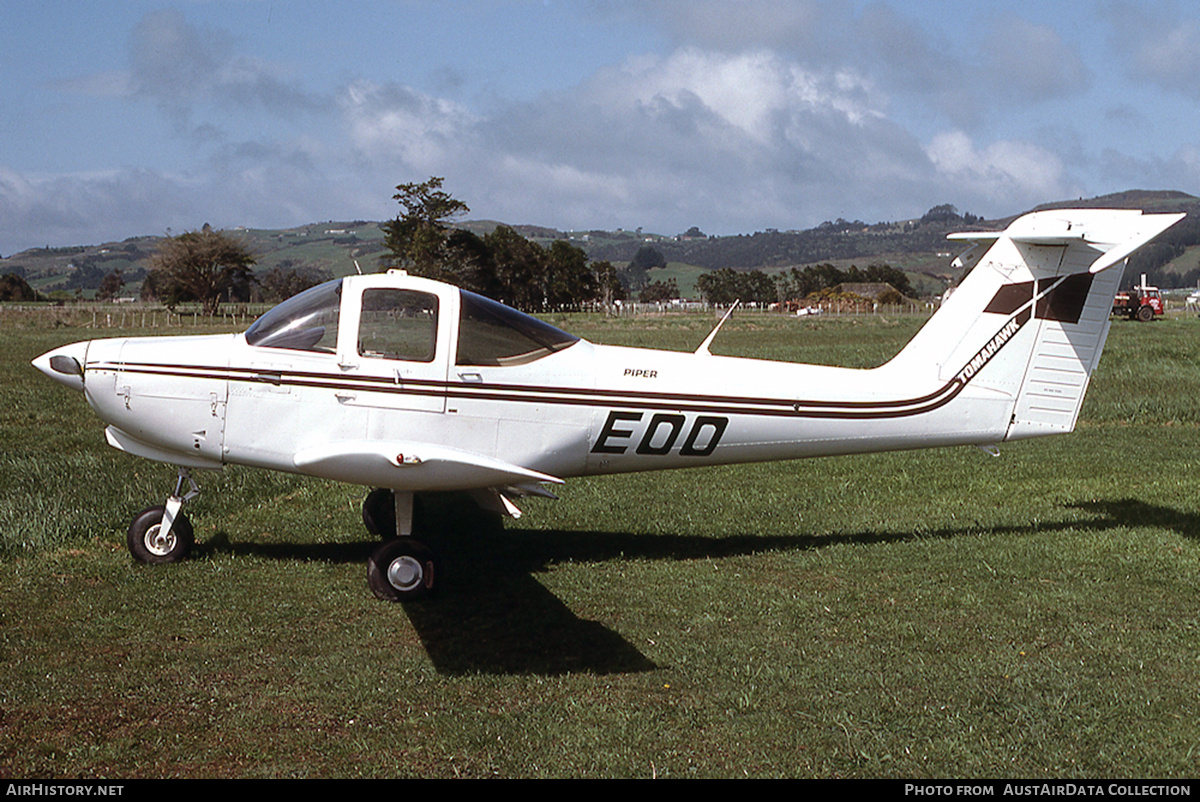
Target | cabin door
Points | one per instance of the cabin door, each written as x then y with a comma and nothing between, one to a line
400,356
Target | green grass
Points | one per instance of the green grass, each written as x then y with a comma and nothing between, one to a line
921,614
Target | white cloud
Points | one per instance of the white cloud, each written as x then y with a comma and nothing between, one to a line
392,124
1180,168
86,208
1005,174
799,26
751,91
714,139
190,71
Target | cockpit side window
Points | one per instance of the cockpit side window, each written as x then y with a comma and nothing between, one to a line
398,324
492,334
304,322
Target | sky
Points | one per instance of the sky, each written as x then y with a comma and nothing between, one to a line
120,119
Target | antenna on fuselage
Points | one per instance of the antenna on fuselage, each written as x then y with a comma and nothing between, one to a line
703,349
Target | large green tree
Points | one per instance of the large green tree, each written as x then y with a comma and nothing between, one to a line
206,266
467,262
16,288
644,260
416,238
287,279
608,283
659,291
502,264
520,269
799,283
110,286
569,281
725,286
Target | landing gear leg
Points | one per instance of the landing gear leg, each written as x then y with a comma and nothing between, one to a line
402,568
163,534
388,514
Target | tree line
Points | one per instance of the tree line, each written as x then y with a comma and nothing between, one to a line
211,267
831,240
502,264
725,286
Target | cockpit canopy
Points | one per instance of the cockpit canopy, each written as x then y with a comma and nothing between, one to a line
305,322
489,333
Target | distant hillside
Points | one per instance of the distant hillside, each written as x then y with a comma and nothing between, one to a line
1152,201
831,241
319,249
916,246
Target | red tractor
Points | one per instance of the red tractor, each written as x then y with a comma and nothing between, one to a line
1141,302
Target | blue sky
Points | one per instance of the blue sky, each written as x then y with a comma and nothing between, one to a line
126,118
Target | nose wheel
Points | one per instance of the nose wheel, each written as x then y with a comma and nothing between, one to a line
163,534
152,542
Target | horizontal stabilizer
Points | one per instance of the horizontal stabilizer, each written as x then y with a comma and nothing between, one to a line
1155,224
412,466
1113,233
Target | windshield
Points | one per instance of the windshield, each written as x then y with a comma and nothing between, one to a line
304,322
493,334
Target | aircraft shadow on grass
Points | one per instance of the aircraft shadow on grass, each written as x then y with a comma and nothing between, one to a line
495,617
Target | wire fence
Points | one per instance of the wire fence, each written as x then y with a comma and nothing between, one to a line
98,315
237,317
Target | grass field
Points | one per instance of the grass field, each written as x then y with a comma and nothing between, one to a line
919,615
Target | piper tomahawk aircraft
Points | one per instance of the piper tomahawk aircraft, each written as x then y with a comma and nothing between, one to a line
408,385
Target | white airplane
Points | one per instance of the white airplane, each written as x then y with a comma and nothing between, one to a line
408,385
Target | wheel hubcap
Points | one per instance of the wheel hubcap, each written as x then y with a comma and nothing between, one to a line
157,543
405,573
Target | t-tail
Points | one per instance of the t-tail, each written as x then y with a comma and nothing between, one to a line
1029,322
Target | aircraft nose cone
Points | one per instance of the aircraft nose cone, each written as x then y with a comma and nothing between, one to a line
65,364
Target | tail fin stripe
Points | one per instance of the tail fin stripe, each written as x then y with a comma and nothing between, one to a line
1065,300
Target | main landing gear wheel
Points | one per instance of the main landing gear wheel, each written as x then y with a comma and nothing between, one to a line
401,570
379,512
149,544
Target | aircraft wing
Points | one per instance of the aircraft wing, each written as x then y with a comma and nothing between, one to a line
412,466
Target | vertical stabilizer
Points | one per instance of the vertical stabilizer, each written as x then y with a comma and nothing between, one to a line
1030,320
